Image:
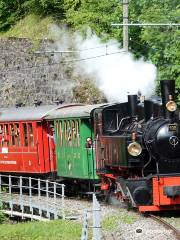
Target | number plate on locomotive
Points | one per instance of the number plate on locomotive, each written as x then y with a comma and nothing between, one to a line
172,127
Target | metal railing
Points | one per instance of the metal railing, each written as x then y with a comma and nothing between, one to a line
32,198
96,215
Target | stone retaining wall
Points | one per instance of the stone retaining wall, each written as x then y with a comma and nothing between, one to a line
26,75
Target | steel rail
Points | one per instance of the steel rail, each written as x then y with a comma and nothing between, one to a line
166,224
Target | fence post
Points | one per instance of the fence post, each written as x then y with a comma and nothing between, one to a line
84,234
47,199
10,193
97,235
30,197
62,196
55,210
39,197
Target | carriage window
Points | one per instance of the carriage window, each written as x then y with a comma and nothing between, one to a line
78,133
17,134
73,133
6,130
110,120
71,136
69,132
60,133
6,136
25,134
1,134
31,136
65,132
12,135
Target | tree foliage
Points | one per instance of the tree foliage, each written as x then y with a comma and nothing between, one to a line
157,44
13,10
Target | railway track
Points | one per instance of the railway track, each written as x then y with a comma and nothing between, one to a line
175,231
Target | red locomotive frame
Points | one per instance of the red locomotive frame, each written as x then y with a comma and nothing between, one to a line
160,200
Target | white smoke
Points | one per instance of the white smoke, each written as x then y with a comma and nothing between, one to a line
117,73
113,70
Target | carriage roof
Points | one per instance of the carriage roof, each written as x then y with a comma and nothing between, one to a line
28,113
73,111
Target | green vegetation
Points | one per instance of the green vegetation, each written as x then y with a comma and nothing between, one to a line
129,219
2,217
110,222
53,230
32,26
157,44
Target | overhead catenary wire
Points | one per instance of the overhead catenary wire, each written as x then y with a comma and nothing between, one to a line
147,24
77,51
61,62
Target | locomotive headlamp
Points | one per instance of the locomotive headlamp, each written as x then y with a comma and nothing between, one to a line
171,105
134,149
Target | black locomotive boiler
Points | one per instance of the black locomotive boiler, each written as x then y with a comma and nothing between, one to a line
138,150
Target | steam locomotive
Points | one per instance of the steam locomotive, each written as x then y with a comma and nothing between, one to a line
129,150
138,150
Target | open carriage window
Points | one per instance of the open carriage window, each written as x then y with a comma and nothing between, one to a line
31,136
12,135
78,133
17,134
25,134
69,134
28,134
5,140
110,120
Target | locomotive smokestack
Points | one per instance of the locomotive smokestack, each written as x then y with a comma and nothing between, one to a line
148,109
132,104
168,94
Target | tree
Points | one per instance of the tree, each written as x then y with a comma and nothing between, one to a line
159,45
10,12
97,15
163,42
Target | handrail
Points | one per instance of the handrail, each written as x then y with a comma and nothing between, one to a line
33,193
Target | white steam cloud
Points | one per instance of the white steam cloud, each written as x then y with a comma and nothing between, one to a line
117,73
114,71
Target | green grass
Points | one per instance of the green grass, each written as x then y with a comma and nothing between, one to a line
110,222
129,219
53,230
32,27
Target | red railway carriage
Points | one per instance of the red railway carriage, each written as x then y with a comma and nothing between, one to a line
27,141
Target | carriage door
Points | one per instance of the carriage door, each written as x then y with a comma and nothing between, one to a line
88,140
29,148
51,146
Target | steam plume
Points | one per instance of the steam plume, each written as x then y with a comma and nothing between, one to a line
118,73
113,70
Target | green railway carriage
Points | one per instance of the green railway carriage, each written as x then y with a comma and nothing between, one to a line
73,136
